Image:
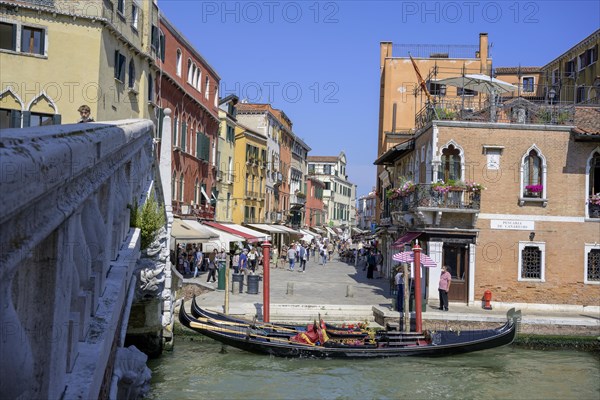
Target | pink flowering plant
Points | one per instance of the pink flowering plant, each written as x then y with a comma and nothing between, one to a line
474,186
595,199
404,190
441,187
534,188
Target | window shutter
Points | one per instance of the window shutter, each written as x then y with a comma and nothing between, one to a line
175,123
206,148
161,117
198,145
183,135
162,48
14,38
56,119
15,118
154,38
117,64
26,118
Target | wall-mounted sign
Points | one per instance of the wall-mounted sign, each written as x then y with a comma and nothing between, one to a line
512,225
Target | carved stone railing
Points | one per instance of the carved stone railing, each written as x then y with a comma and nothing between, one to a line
68,254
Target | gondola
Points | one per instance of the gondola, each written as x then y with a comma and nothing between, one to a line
199,312
380,344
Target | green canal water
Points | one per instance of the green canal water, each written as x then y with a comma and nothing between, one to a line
202,369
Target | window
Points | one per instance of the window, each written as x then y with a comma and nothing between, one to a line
32,40
528,84
207,87
134,16
179,55
327,169
150,88
182,143
8,36
197,79
592,55
592,264
581,94
119,66
327,185
10,118
175,126
435,89
174,186
532,257
570,68
190,72
311,168
154,39
593,185
450,167
555,76
39,119
465,92
162,45
582,61
121,6
131,82
181,183
196,191
533,183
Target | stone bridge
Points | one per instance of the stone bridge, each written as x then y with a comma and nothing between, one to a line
71,267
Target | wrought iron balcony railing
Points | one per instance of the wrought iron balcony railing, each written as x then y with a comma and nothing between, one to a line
426,196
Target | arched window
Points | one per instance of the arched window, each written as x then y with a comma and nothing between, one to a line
131,82
181,183
207,87
450,167
593,199
174,186
532,175
196,191
198,79
150,88
190,76
179,56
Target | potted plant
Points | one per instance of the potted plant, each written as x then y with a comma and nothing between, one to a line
440,187
594,205
472,186
534,190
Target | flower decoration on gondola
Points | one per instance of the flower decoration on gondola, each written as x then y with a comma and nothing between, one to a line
406,188
595,199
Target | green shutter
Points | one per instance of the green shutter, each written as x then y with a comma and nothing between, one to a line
206,148
198,144
183,135
15,119
26,118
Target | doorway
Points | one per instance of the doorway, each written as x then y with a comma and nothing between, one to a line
457,259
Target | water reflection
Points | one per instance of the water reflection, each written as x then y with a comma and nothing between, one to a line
199,370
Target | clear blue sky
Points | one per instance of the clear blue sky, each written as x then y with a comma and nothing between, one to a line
318,61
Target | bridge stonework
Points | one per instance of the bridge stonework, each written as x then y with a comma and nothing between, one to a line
69,260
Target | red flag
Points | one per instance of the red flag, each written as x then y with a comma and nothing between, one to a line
421,81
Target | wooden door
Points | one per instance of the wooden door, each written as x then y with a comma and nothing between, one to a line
456,258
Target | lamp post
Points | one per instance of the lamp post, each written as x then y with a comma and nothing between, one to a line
551,95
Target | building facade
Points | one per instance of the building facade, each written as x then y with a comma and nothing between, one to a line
189,87
315,211
226,155
49,54
298,188
339,195
249,188
366,210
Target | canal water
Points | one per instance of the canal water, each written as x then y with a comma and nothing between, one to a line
202,369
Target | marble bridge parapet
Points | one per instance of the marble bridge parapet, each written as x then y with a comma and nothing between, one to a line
67,252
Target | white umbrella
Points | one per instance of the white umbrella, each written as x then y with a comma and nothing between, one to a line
409,257
479,83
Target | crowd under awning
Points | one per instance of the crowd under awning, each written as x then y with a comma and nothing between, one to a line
223,241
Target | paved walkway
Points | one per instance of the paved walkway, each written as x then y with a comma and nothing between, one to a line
345,289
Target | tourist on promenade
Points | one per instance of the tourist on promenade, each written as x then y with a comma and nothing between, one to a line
323,253
252,259
307,251
212,266
444,287
84,113
235,262
371,263
291,255
244,262
399,279
379,263
275,257
330,250
312,248
198,258
302,256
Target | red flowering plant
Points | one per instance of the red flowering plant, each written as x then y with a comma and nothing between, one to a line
404,190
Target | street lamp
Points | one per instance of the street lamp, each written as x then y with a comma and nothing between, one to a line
552,95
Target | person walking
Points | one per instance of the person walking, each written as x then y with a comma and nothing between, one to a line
275,257
399,279
291,255
212,266
198,258
371,263
444,287
244,262
302,256
252,259
235,262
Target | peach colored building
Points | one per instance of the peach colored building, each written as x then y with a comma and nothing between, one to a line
315,214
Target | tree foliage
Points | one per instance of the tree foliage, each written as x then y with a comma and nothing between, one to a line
150,219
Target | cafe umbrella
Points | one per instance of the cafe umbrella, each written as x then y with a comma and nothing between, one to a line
409,257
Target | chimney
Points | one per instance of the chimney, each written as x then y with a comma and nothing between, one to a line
483,51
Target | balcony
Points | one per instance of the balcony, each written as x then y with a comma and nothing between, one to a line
433,206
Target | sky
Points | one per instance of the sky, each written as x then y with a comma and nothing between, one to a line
318,61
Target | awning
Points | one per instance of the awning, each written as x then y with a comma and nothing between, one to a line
182,231
237,230
267,228
319,231
308,237
289,230
223,240
407,238
395,152
331,231
204,194
357,231
309,233
201,228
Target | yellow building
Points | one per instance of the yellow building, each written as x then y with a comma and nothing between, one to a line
226,175
57,55
250,170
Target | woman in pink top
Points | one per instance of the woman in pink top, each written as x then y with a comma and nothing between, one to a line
444,287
